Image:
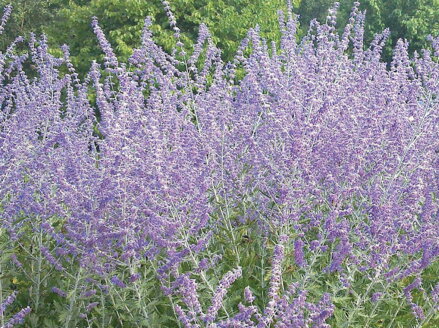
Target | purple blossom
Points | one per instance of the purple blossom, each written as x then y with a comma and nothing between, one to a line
91,306
18,318
59,292
6,302
217,299
6,14
376,297
299,257
88,293
248,295
117,282
318,141
51,259
134,277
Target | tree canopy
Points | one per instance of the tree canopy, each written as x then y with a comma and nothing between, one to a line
69,21
122,21
412,20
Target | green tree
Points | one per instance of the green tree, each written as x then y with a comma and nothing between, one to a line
122,21
413,20
68,21
29,16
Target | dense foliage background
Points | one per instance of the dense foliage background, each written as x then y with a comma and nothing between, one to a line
68,21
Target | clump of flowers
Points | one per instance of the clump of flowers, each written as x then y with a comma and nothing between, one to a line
15,319
307,187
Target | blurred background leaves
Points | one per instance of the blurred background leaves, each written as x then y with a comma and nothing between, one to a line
68,21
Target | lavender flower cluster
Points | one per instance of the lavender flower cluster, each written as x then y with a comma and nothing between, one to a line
16,318
327,157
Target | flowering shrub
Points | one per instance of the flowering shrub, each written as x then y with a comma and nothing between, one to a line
293,187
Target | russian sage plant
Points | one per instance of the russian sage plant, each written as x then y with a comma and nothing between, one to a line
296,186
